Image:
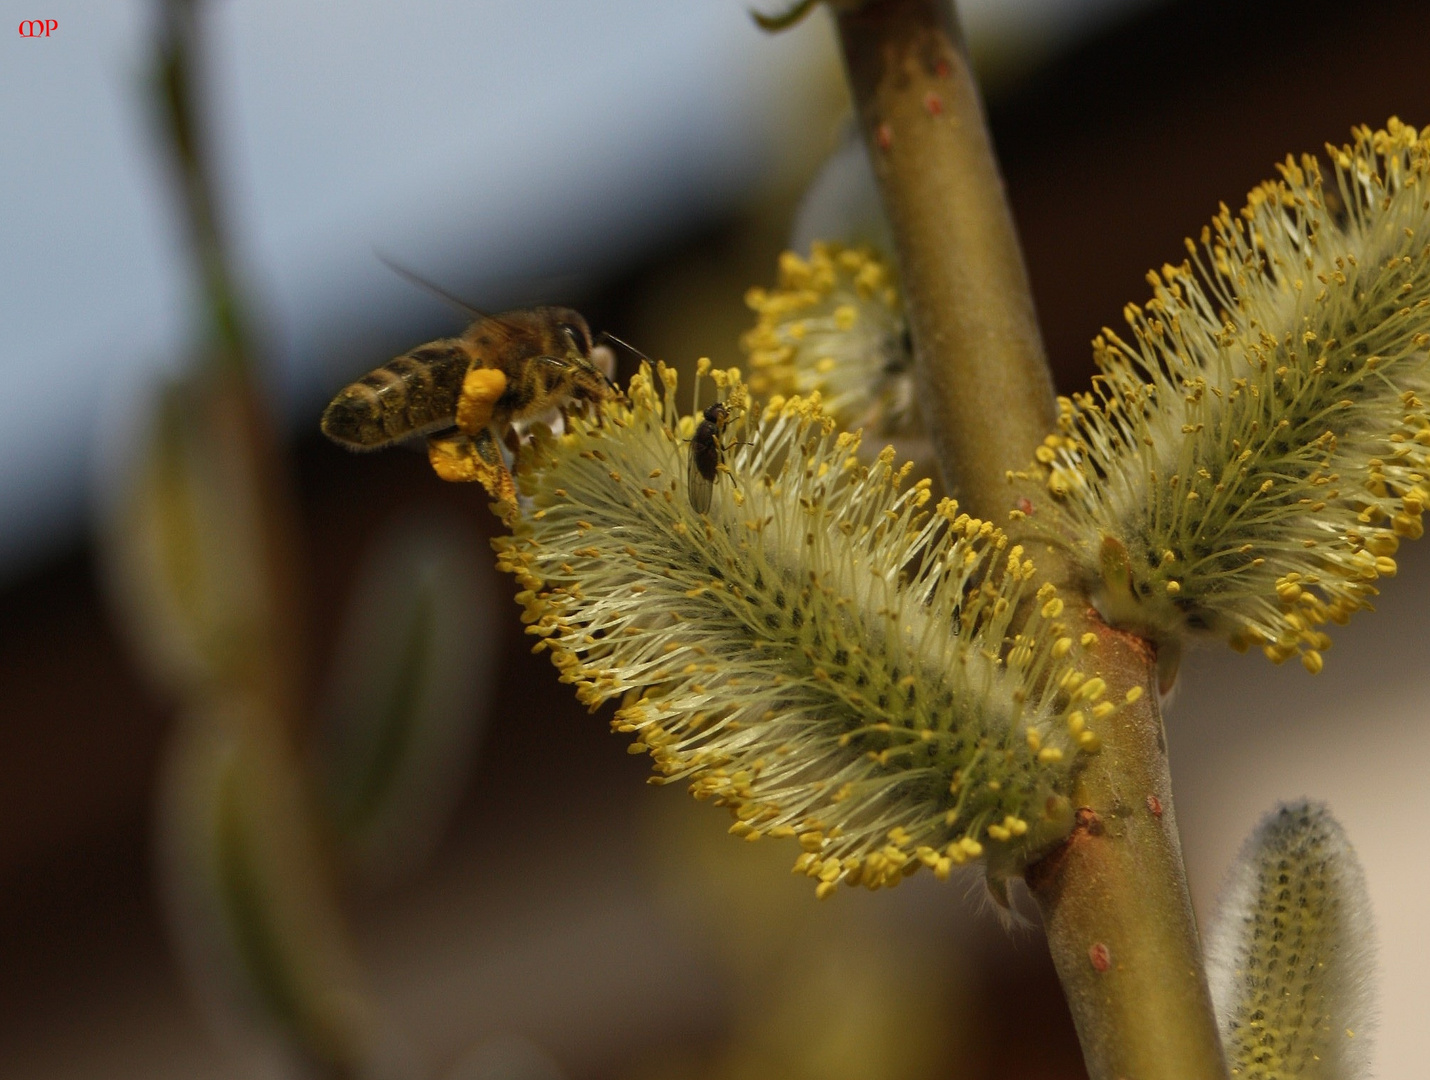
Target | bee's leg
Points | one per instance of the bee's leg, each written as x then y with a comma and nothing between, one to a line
481,388
453,457
496,478
465,458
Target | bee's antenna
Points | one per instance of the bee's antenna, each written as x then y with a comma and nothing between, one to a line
436,290
606,335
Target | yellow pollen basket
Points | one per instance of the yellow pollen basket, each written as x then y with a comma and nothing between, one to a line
481,389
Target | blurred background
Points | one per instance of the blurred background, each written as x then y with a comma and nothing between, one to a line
510,899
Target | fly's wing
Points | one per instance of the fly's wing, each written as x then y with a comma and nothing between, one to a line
698,486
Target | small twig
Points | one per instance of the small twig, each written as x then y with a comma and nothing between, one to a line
785,19
177,69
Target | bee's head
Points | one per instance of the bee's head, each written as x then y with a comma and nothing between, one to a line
574,336
560,345
588,381
718,414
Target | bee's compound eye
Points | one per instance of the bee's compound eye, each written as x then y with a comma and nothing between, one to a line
577,337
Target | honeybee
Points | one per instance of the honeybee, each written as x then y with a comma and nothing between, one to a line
707,455
502,370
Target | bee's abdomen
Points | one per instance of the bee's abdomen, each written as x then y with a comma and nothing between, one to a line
415,393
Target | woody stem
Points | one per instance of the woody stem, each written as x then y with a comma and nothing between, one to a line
1113,896
984,382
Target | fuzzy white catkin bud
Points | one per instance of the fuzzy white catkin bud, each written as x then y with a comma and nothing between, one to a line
1291,953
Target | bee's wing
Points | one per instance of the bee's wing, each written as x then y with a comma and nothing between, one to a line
698,487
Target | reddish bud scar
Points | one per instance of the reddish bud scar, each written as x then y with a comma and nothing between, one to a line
1100,956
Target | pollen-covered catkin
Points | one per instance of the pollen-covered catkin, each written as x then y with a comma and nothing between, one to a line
823,652
834,325
1290,954
1248,462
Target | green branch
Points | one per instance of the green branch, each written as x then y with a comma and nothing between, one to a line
985,387
1113,896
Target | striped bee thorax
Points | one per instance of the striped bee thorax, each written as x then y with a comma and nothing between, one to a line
412,395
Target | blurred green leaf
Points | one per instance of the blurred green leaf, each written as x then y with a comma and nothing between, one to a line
406,699
250,894
195,540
